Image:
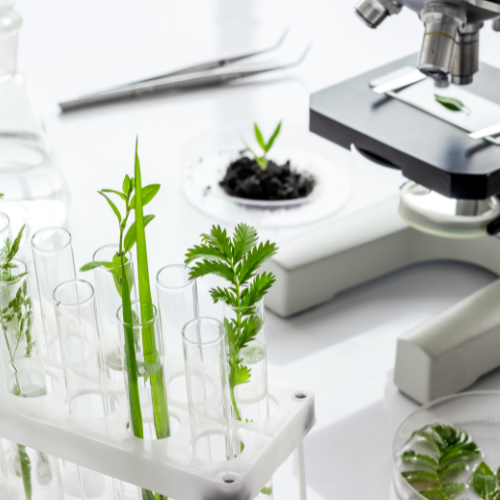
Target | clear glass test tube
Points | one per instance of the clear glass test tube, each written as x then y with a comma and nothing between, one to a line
54,264
84,373
142,354
108,296
178,304
75,310
250,400
208,390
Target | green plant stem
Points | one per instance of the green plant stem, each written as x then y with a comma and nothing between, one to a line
234,361
158,392
131,362
25,464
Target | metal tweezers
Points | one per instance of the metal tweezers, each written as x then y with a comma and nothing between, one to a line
198,76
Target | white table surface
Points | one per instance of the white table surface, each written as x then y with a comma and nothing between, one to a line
344,350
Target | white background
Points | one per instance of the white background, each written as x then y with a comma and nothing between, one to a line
344,350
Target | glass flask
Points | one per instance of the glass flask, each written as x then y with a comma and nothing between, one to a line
34,189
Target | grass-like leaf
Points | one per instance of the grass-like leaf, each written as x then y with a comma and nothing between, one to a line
121,195
258,136
151,355
276,132
147,194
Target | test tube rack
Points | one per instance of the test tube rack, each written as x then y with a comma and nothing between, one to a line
166,466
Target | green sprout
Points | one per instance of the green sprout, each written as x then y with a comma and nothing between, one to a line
136,197
262,161
237,261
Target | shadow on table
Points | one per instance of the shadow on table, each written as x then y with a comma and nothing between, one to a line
424,288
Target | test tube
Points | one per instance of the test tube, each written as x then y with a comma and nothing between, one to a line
208,390
54,264
178,304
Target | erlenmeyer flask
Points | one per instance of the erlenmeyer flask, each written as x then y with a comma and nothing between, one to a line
33,187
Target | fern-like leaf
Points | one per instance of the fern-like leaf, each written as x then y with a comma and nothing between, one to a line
245,237
254,259
212,267
205,252
220,240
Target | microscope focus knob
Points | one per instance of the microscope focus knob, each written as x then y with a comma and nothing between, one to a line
373,12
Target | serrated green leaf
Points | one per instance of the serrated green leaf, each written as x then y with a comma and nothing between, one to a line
131,236
239,374
212,267
258,288
276,132
205,251
422,480
112,205
220,240
452,472
254,259
245,237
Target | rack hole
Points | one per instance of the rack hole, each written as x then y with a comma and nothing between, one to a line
300,395
229,478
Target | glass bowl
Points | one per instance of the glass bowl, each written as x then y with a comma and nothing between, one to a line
477,413
205,160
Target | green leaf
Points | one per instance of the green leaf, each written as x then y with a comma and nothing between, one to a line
254,259
131,236
239,374
148,193
245,237
421,480
434,494
260,286
411,458
484,481
92,265
452,472
262,162
147,495
12,250
268,490
219,239
260,139
223,295
126,185
273,137
212,267
465,452
112,205
450,103
121,195
204,251
151,354
452,489
25,463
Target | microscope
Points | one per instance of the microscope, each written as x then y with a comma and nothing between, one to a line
447,210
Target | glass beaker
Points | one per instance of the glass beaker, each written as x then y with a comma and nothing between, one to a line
34,189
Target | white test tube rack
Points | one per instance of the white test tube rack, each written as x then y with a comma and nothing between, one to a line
166,466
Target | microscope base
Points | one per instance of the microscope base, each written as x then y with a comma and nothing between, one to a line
442,356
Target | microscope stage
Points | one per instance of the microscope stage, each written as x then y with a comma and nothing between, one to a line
428,150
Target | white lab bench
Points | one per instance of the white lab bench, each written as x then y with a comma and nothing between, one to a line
344,350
